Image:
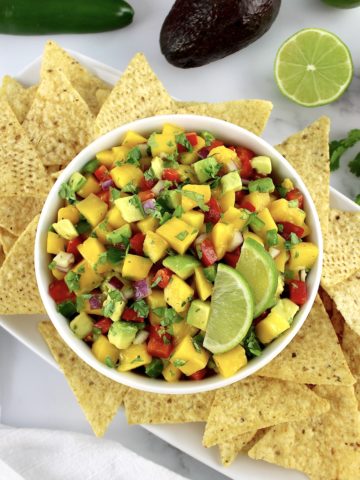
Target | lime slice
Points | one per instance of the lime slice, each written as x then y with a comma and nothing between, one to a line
259,270
313,67
231,314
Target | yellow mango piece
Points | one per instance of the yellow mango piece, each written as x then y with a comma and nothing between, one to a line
178,294
89,279
303,255
307,230
133,357
221,236
288,184
57,274
271,327
69,212
114,217
187,173
227,201
254,237
203,287
136,267
193,218
237,217
133,138
93,209
223,154
265,216
182,329
101,230
171,373
130,208
120,153
281,259
156,299
148,224
106,157
65,229
188,203
178,234
171,129
126,174
162,143
230,362
260,200
91,186
54,243
187,359
155,246
102,349
91,251
281,212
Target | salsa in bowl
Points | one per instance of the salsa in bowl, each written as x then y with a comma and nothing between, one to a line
182,254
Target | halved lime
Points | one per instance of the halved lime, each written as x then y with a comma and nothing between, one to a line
313,67
259,270
232,309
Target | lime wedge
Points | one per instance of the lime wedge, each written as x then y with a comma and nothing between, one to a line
259,270
231,314
313,67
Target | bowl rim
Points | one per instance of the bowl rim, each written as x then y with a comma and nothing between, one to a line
113,138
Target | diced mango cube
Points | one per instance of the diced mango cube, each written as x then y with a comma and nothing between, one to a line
114,217
281,212
193,218
130,208
126,174
57,274
222,235
136,267
93,209
178,234
133,138
106,157
101,230
288,184
230,362
188,203
203,287
65,229
303,255
156,299
271,327
147,224
260,200
265,216
171,373
187,358
69,212
133,357
103,349
237,217
182,329
227,201
162,143
54,243
88,278
223,154
178,294
120,153
171,129
91,250
155,246
91,186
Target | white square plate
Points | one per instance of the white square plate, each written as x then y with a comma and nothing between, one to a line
186,437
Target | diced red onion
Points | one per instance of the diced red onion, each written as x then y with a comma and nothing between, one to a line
116,283
107,184
158,187
245,181
231,166
201,238
95,302
63,269
203,152
127,292
149,205
236,241
141,336
274,252
142,289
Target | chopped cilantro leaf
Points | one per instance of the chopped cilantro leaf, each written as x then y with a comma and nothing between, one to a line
208,137
272,238
178,211
293,240
114,255
149,174
182,235
52,265
72,281
168,316
136,202
338,147
179,363
141,308
212,169
282,191
129,188
181,139
198,198
198,341
357,199
354,165
215,183
155,368
134,156
67,193
251,344
109,362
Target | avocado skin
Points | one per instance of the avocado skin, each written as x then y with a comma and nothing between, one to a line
197,32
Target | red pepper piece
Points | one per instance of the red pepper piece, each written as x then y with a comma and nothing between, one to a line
216,143
192,138
160,343
208,255
137,243
103,324
239,196
245,155
248,206
199,375
295,194
59,292
289,228
72,246
102,174
104,196
231,258
213,215
146,184
171,175
165,275
130,315
298,292
146,195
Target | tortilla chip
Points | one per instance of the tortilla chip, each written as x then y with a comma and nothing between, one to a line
98,396
250,114
314,356
308,152
340,261
230,449
101,95
7,240
346,297
255,403
18,97
324,447
17,212
54,176
22,172
138,94
351,347
85,82
144,407
2,256
327,301
59,122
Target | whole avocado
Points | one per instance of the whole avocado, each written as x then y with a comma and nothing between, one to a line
197,32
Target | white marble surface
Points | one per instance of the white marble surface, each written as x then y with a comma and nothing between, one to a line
32,393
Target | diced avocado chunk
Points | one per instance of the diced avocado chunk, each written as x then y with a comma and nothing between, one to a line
122,334
120,235
77,181
206,169
157,166
198,314
262,185
65,229
183,265
173,199
261,164
231,182
210,273
81,325
131,208
286,309
114,308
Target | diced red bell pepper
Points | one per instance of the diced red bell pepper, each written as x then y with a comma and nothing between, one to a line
130,315
298,292
137,243
192,138
102,174
207,253
171,175
146,184
104,196
72,246
231,258
165,275
245,155
216,143
199,375
289,228
59,292
103,324
213,215
146,195
248,206
239,196
160,343
295,194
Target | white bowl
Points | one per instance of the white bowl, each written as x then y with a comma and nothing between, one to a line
230,134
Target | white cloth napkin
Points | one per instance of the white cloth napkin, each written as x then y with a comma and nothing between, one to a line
31,454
